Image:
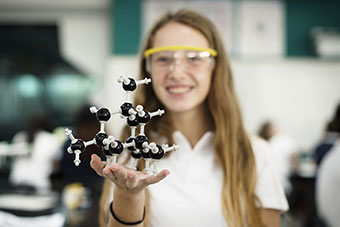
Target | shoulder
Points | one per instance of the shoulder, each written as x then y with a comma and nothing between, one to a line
269,188
263,156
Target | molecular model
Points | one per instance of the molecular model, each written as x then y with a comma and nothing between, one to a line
139,146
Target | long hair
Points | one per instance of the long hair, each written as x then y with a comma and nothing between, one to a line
232,146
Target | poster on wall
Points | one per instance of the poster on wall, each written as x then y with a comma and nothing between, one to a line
217,11
261,29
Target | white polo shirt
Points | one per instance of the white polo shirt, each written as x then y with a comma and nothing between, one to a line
191,194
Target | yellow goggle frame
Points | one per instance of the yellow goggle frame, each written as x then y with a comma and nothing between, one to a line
150,51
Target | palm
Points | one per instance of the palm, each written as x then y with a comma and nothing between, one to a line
124,178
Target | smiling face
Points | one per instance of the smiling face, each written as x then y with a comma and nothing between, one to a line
181,87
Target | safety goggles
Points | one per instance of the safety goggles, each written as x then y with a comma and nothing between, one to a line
189,58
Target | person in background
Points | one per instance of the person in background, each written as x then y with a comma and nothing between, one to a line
220,176
328,187
327,156
81,178
331,135
284,152
40,150
86,127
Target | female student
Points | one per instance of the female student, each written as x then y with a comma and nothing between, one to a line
219,176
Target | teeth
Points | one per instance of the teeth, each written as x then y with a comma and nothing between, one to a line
179,90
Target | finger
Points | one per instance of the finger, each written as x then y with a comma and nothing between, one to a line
97,164
107,172
160,176
118,171
131,179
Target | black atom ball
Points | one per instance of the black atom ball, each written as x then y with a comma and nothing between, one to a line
79,145
136,155
145,119
131,86
159,154
133,123
125,107
146,154
139,140
129,140
103,114
100,137
118,149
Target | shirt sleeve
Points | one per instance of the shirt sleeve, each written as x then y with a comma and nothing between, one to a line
269,189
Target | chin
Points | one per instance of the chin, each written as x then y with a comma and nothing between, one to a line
178,108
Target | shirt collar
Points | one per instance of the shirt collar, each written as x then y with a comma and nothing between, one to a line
181,140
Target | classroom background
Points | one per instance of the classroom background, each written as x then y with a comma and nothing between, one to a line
57,57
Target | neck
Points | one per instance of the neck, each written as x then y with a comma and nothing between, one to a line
192,124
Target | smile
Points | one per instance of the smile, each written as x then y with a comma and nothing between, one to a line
178,90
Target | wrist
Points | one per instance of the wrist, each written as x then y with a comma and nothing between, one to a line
128,194
125,222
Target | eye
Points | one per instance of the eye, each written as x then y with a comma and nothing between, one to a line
162,59
193,57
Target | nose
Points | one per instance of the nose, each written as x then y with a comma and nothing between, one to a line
176,70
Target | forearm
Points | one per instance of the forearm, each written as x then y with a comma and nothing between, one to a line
271,217
128,207
129,192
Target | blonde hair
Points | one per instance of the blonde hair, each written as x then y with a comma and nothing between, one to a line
232,146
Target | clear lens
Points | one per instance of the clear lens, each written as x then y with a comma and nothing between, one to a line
163,58
192,60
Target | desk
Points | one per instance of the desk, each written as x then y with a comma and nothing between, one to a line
51,208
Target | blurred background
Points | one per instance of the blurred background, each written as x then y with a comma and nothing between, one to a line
57,58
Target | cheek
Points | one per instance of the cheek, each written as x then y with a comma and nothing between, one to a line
156,78
156,83
205,80
206,88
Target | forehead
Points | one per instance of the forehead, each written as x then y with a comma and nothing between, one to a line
177,34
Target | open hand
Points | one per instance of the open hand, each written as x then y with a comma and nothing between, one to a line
124,178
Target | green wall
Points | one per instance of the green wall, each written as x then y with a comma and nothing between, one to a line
301,17
126,26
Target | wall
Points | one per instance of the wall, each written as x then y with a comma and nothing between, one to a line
299,94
